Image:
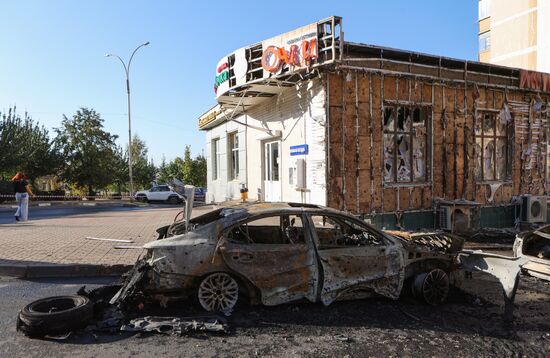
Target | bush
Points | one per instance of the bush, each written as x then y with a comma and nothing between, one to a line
6,188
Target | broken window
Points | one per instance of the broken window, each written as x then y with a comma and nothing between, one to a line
493,155
275,230
335,232
405,144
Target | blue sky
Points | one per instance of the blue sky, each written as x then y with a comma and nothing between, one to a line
52,53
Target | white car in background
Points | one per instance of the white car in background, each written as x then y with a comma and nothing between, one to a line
159,193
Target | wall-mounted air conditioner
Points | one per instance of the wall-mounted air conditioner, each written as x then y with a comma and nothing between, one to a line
458,216
533,209
444,218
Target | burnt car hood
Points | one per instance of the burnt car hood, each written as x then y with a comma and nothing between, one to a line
436,241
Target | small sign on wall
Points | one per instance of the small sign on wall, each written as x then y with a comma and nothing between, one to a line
302,149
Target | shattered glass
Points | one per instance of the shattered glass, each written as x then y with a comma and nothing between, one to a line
403,119
389,157
419,146
488,124
403,158
488,160
477,159
501,159
389,119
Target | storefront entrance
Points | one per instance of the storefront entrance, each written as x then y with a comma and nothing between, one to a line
272,171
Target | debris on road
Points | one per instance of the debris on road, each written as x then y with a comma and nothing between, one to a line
177,325
105,239
128,247
55,315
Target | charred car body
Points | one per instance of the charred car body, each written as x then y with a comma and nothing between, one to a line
534,248
281,252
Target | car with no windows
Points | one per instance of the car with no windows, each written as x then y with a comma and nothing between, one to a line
275,253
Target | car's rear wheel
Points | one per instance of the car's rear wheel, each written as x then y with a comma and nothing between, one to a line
173,200
432,286
218,292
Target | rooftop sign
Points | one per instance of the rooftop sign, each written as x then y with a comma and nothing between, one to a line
298,50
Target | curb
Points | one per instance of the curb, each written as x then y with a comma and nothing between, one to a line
61,270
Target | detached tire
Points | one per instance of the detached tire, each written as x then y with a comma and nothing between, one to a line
54,315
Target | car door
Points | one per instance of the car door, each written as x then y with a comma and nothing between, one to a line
164,192
355,257
153,193
276,254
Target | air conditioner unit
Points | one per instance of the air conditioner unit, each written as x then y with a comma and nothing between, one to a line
457,217
533,209
444,218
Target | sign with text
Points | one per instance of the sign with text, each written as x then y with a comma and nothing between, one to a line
293,50
302,149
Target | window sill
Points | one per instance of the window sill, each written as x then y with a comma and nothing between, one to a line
405,185
489,182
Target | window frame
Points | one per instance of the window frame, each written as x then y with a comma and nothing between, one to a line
216,156
486,38
303,219
484,9
426,111
348,221
479,126
233,157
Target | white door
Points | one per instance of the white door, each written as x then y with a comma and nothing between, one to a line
272,171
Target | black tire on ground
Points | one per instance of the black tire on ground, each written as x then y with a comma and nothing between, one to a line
173,200
55,315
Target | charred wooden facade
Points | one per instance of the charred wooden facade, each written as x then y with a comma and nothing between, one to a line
406,130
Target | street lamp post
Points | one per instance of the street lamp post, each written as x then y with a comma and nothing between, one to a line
127,72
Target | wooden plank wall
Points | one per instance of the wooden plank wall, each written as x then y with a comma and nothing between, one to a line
355,171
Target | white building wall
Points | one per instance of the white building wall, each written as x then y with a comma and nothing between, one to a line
296,116
222,188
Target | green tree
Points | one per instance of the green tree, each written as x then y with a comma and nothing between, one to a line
89,152
143,169
190,171
25,146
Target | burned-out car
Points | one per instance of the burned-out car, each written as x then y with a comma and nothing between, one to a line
275,253
534,248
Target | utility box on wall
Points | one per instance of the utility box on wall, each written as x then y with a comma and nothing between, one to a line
301,183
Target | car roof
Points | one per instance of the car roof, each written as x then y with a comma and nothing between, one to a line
258,208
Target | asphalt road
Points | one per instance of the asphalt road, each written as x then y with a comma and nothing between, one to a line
465,326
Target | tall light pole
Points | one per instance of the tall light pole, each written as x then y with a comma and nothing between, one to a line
127,72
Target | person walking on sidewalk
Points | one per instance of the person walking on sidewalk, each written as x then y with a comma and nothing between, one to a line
22,192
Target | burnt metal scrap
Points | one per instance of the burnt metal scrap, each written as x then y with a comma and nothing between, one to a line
177,325
534,248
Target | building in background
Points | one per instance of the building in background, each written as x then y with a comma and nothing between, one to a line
515,33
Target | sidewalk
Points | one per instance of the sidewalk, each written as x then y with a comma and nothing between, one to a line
58,246
10,206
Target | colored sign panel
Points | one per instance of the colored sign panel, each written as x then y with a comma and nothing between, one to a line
294,50
302,149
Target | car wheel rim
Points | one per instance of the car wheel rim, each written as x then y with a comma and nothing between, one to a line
435,287
218,292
